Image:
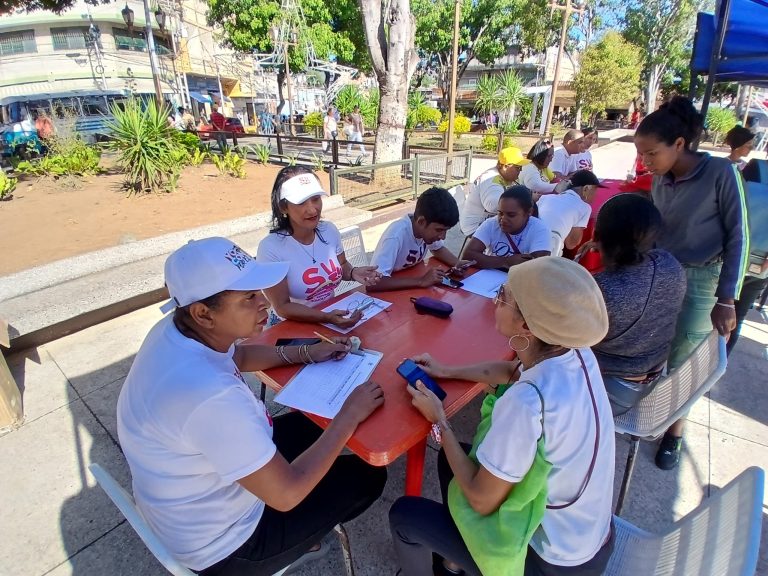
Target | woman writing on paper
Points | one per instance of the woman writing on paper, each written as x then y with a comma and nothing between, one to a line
513,236
313,250
540,469
228,490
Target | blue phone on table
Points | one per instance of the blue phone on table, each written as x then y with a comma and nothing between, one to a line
413,372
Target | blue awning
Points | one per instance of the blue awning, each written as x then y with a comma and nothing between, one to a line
203,98
744,57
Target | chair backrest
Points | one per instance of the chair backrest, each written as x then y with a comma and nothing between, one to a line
719,538
674,394
354,250
127,506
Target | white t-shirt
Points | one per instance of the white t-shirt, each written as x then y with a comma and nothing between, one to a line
533,238
314,271
398,248
561,212
482,202
563,162
329,123
572,535
533,178
584,161
190,428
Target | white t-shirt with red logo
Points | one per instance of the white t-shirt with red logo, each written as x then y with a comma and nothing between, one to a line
584,161
398,248
314,271
190,428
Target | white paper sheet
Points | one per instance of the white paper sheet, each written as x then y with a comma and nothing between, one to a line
485,282
322,388
354,301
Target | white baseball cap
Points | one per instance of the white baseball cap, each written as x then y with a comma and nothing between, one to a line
202,268
299,188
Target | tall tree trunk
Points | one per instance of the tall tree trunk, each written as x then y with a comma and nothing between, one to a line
652,90
579,110
390,39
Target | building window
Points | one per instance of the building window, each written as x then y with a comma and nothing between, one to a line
69,38
468,83
136,41
19,42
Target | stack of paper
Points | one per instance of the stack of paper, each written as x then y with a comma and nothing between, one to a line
485,282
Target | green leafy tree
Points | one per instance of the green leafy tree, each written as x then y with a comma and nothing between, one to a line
662,30
503,92
333,28
487,29
719,121
419,112
609,75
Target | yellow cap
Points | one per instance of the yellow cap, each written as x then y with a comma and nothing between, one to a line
514,156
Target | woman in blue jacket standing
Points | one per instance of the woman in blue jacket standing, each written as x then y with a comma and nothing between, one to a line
703,206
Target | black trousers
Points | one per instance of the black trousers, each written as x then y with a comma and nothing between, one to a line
280,538
421,527
750,291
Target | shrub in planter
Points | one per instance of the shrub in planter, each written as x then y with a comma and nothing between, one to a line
461,125
7,186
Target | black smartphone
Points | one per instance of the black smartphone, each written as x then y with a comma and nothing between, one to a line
412,372
296,341
451,283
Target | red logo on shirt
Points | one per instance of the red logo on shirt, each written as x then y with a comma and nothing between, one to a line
322,281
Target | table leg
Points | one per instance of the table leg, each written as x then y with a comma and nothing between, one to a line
414,468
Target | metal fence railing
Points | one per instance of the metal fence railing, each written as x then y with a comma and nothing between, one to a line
376,185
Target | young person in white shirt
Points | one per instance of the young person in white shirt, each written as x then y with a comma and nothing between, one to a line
564,162
312,248
584,158
483,197
405,243
330,128
552,311
537,176
228,490
567,214
513,237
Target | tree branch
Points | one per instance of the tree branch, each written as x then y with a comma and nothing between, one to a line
374,34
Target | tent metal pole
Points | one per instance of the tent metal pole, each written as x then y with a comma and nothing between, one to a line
717,51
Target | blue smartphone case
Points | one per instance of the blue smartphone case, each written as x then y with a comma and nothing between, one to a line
413,372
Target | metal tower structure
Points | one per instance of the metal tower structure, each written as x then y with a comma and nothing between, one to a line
291,25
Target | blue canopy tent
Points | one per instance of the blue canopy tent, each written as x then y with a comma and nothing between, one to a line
731,46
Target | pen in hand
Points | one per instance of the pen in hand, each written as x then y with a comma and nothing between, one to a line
329,341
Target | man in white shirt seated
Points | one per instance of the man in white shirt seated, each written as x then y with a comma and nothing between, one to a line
584,158
567,214
483,198
405,242
564,162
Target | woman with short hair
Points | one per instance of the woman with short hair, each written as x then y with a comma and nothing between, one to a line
542,463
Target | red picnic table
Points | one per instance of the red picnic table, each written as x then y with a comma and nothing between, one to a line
468,336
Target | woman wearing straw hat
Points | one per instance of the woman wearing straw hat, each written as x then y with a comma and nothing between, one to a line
541,466
228,490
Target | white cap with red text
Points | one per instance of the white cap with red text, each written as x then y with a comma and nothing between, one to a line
301,187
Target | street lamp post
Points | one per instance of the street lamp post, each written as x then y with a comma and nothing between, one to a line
567,8
128,18
276,38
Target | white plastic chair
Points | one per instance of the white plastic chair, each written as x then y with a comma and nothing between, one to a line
125,503
556,244
671,399
354,250
721,537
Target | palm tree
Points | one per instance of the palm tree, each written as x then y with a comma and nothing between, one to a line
488,94
511,94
